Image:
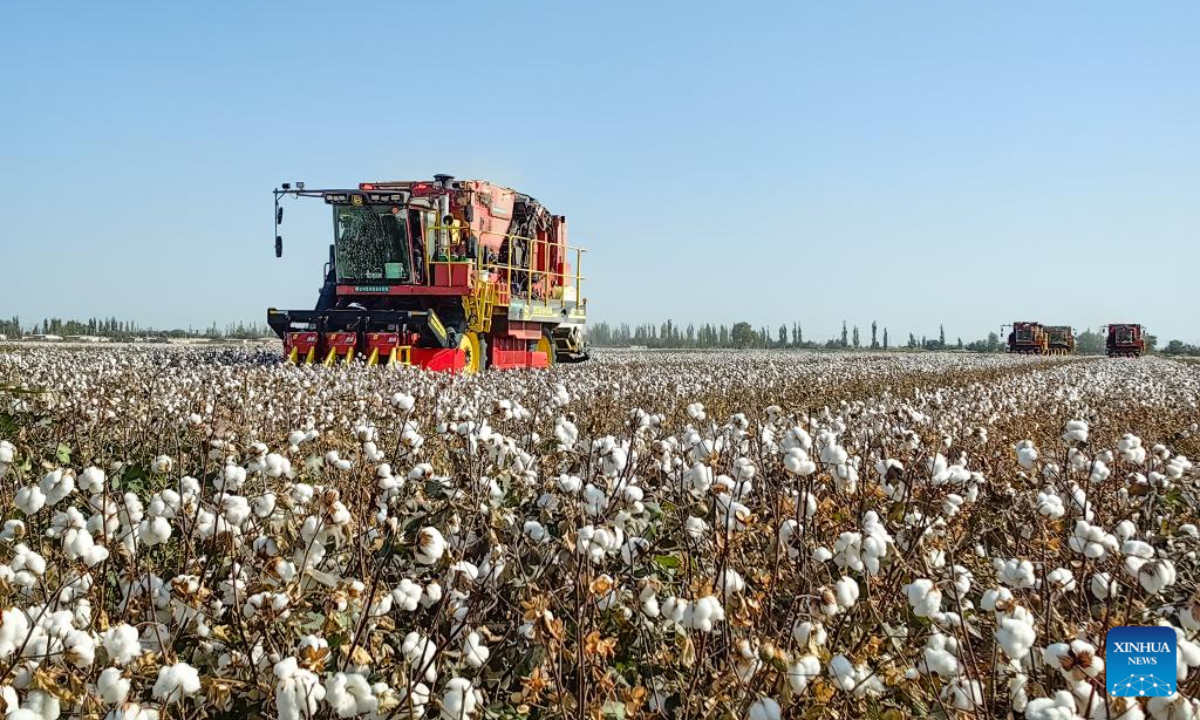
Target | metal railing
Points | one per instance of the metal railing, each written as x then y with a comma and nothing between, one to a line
519,280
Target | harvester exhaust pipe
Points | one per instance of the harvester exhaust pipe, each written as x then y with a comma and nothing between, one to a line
444,203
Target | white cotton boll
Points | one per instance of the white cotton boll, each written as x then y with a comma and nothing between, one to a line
121,643
1061,580
404,402
731,581
925,599
1173,707
279,466
474,651
1059,707
420,652
131,711
765,709
349,694
175,682
1103,587
232,478
846,590
298,692
804,632
154,532
1050,505
952,504
796,462
535,531
92,480
1125,530
801,672
1027,454
1099,472
822,554
1015,573
407,595
30,499
264,505
459,699
113,688
1016,635
431,595
430,546
569,484
1076,431
57,485
939,656
962,693
649,601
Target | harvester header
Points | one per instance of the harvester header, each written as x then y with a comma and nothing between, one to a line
444,274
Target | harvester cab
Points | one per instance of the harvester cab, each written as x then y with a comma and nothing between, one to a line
1125,340
1028,338
442,274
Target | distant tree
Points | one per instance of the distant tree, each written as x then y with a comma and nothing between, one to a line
941,336
1089,343
844,340
799,334
885,339
1151,343
783,336
959,345
912,340
743,335
993,342
856,343
874,340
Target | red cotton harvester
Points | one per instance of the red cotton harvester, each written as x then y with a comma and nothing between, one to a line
1060,339
1125,340
444,274
1029,338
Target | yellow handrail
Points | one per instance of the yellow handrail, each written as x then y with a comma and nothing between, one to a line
532,275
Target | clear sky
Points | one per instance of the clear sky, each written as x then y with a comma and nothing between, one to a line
915,163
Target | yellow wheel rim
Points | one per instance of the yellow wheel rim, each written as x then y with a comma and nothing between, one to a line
544,346
469,344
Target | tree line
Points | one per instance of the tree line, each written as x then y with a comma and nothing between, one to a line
673,335
117,329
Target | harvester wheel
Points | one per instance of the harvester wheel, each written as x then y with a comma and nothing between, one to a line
545,344
474,346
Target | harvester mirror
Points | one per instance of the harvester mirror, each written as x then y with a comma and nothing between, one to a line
279,215
278,246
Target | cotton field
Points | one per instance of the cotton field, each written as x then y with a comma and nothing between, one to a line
212,533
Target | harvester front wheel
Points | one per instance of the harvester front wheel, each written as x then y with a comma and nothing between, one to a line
474,348
545,344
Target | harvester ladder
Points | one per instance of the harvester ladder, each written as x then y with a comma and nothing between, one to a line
479,305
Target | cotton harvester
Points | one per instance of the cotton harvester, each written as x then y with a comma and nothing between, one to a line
1029,338
1060,339
1125,340
451,275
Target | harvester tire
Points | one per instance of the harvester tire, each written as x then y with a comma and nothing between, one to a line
546,344
474,346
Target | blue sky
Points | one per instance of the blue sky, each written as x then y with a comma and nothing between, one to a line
915,163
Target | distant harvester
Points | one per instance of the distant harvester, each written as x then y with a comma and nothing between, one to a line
1061,339
1029,338
1125,340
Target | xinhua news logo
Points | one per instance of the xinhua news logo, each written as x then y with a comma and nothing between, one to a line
1140,661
